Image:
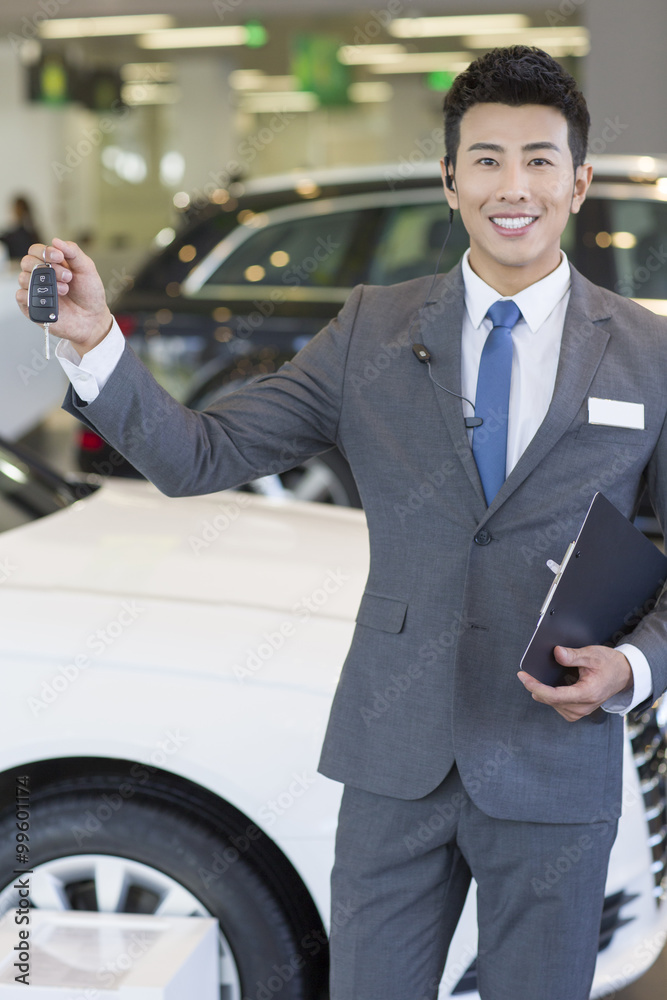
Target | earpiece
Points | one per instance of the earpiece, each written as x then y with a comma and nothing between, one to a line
449,180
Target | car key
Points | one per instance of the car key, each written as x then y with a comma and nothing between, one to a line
43,300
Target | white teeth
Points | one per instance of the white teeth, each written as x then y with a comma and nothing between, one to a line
518,223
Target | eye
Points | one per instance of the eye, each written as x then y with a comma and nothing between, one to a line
486,160
540,161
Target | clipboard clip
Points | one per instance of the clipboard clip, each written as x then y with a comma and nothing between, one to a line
556,580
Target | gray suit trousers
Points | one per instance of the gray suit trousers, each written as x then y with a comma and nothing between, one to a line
399,883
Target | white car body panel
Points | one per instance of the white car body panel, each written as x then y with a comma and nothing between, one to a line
141,628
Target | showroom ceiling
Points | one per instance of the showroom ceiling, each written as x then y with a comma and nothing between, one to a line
12,12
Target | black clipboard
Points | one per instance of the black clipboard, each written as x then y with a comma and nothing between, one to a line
609,579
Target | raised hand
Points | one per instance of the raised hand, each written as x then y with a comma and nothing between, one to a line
84,317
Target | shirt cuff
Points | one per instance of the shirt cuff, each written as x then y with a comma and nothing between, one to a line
90,373
624,702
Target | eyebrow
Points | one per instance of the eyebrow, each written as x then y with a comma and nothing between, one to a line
528,148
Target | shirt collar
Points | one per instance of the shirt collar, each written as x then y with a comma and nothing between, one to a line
536,302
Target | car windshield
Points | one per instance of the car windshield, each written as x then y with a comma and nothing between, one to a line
29,490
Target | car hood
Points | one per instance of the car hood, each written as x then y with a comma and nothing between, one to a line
229,548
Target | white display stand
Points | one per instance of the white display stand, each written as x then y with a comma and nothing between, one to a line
74,955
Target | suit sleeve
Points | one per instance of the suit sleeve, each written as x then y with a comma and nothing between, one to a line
650,636
266,427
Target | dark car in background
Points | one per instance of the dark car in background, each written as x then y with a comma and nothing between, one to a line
253,274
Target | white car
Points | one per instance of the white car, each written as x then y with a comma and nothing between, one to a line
167,670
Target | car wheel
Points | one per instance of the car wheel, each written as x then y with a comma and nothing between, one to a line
90,849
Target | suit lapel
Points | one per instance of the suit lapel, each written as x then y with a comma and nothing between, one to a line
440,331
582,347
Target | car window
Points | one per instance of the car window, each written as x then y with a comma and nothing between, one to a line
620,246
635,239
319,251
410,241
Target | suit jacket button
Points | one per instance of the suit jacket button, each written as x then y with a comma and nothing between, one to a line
483,537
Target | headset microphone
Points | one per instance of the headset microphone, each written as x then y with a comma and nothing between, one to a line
423,354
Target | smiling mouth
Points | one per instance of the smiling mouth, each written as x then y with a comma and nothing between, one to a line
517,222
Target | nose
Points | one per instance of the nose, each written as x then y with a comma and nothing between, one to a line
512,184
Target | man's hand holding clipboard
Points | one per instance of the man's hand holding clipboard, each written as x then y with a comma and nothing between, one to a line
610,577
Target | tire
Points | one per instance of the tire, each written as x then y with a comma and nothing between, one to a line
90,849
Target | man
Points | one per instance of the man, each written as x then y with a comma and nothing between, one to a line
504,780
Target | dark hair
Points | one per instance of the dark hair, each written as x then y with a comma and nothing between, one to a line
516,75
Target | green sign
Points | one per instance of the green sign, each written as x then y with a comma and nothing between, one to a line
315,65
257,35
440,80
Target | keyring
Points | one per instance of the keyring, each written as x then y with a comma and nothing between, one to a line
44,255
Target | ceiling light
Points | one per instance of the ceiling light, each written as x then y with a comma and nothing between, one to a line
565,41
441,27
155,72
195,38
255,80
365,55
425,62
301,100
370,93
134,94
92,27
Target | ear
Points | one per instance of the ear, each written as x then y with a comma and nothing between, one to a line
451,196
582,181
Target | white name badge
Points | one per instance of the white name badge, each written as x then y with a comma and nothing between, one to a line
615,413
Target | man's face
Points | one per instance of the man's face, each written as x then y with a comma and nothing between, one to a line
515,189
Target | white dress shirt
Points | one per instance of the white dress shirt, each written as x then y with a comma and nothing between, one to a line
536,339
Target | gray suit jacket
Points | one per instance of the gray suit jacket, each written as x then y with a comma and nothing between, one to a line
454,589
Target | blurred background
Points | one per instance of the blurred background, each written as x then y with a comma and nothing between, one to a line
111,126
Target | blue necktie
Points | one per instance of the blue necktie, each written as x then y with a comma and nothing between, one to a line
489,442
